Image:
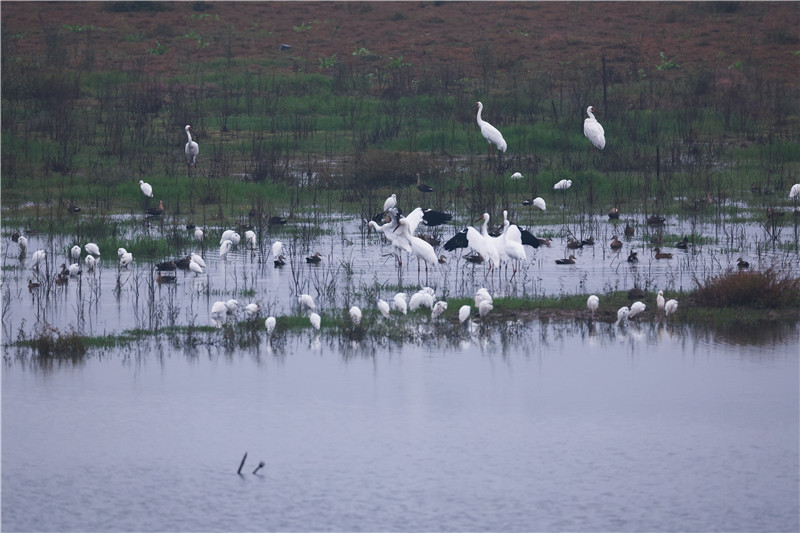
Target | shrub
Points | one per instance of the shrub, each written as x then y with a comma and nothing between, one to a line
49,342
770,288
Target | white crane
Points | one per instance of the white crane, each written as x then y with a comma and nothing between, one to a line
146,188
192,149
489,132
593,130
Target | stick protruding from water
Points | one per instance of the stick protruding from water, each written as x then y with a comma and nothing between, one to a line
242,464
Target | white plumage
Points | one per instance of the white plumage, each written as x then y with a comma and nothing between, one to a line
277,249
75,252
315,320
218,308
539,202
482,295
592,303
270,324
224,248
593,130
197,259
92,248
420,299
670,307
438,308
146,188
660,300
37,257
231,305
463,313
250,238
90,262
489,132
383,307
636,308
198,234
126,259
227,235
400,302
563,185
251,309
794,192
484,308
192,149
355,315
195,267
390,202
74,269
306,302
516,176
622,314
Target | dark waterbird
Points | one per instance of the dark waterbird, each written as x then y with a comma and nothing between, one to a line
422,186
279,261
742,264
167,266
616,244
662,255
654,220
574,244
475,258
276,221
684,244
314,259
613,214
183,263
633,257
459,240
156,211
629,231
567,261
434,218
588,242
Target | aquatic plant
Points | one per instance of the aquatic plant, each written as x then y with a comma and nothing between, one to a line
770,288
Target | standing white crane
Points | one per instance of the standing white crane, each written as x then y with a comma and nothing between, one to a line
489,132
593,130
592,303
422,249
192,149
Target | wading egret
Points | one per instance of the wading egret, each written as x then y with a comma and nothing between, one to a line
315,320
489,132
400,302
227,235
463,313
251,309
482,295
192,149
250,238
593,130
92,248
75,252
422,249
90,262
670,307
125,260
636,308
660,300
383,307
224,248
484,308
516,176
195,267
198,235
539,202
22,242
231,305
622,313
592,303
218,308
270,324
74,269
306,302
794,192
147,190
197,259
277,249
438,308
355,315
390,202
563,185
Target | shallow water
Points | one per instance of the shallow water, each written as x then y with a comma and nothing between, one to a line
357,268
538,427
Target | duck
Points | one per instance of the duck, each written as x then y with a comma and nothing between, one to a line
165,279
616,244
442,260
168,266
587,242
422,186
654,220
183,262
32,285
475,258
613,214
433,241
568,261
314,259
662,255
629,231
633,257
280,261
573,244
636,293
276,221
156,211
546,241
742,264
683,245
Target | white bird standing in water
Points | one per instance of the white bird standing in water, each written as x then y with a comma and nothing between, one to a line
198,235
270,324
390,202
90,262
37,257
660,300
277,249
383,307
622,314
593,130
463,313
539,202
400,302
306,302
192,149
315,320
250,237
592,303
438,308
197,259
125,259
146,188
563,185
670,307
75,252
92,248
489,132
224,248
251,309
794,192
484,308
422,249
195,267
355,315
636,308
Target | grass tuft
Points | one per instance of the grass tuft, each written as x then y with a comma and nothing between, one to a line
760,289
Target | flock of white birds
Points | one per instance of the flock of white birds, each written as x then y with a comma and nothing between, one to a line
399,230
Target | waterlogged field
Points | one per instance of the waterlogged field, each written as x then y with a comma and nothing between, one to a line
358,267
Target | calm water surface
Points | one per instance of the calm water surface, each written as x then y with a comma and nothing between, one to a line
543,427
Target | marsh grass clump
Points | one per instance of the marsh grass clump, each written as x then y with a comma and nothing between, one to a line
50,342
761,289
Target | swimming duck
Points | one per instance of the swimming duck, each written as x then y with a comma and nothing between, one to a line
662,255
633,257
568,261
684,244
629,231
314,259
742,264
616,244
613,214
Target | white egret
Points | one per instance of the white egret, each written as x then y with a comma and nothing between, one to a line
422,249
277,249
400,302
192,149
438,308
563,185
250,238
75,252
670,307
420,299
355,315
197,259
270,324
794,192
390,202
74,269
125,260
224,248
660,300
516,176
227,235
636,308
593,130
489,132
231,305
219,308
198,235
37,257
315,320
463,313
512,240
251,309
482,295
539,202
92,248
23,245
306,302
484,308
147,190
121,252
622,313
195,267
383,307
90,262
592,303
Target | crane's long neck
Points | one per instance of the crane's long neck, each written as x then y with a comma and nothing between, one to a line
189,135
485,229
589,112
480,108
